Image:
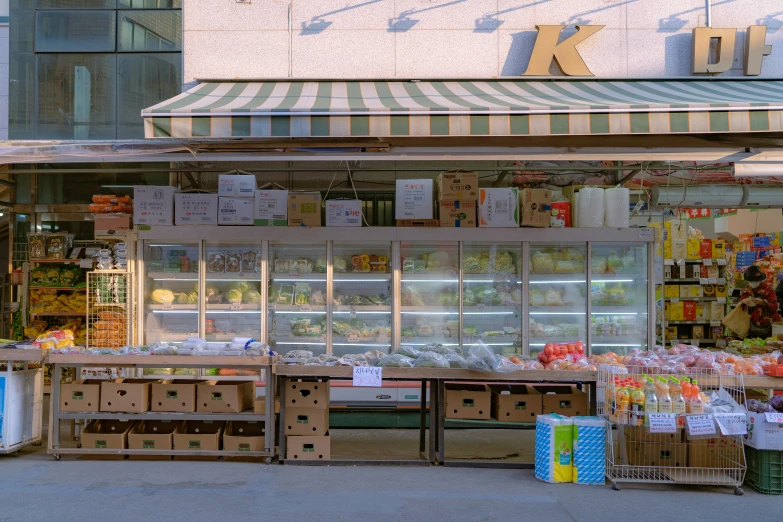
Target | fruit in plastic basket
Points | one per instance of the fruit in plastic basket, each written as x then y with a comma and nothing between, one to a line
162,295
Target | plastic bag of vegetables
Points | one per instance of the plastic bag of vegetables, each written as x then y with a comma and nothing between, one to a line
456,361
396,360
542,263
481,358
407,351
431,360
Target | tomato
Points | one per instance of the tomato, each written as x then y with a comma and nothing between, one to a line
579,344
580,348
571,348
515,360
549,350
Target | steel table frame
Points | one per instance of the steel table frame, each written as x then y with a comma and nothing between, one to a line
25,356
153,361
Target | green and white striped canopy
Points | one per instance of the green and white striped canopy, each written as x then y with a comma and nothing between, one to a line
386,109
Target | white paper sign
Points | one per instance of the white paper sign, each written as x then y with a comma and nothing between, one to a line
694,342
167,305
668,262
304,307
722,300
713,280
675,299
732,423
707,262
236,306
774,418
647,233
85,263
704,281
721,262
700,425
367,376
663,422
681,262
721,280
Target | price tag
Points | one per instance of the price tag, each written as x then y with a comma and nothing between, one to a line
721,262
353,312
707,262
700,425
481,307
647,233
169,276
323,338
293,273
353,338
715,323
713,280
85,263
304,307
367,376
668,262
694,342
774,418
236,306
704,281
681,262
271,306
732,423
675,299
722,300
721,280
662,422
167,306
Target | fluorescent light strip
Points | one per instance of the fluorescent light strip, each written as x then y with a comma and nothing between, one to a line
488,313
298,312
294,280
617,344
383,280
175,279
552,282
430,280
357,313
361,344
557,313
295,344
431,313
614,313
425,344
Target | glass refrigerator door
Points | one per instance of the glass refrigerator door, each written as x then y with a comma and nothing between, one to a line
171,300
557,299
362,296
618,297
492,296
430,293
297,297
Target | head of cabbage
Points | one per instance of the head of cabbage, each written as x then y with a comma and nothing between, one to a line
251,296
242,286
162,295
234,296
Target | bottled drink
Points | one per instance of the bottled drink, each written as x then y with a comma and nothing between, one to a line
637,405
664,399
697,405
678,401
650,398
623,405
686,393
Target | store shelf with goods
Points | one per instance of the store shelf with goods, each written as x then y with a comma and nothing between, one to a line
297,277
59,288
678,299
176,276
713,323
59,314
430,277
62,261
361,277
718,262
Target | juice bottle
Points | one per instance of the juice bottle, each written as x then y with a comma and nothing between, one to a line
664,399
651,399
685,384
697,405
678,401
637,405
623,405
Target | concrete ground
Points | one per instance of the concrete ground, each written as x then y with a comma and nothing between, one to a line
35,487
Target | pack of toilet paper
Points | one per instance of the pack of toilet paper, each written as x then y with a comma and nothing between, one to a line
554,448
589,449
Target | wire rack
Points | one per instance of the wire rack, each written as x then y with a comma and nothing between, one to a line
109,307
637,454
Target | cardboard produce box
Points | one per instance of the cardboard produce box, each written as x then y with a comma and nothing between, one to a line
304,209
177,395
106,434
235,211
499,208
637,454
259,406
457,186
81,396
237,185
535,208
413,199
306,394
153,435
667,455
306,421
714,453
244,436
457,214
343,213
763,435
563,400
198,436
195,209
642,434
270,208
515,403
153,205
225,397
112,222
126,395
468,401
308,448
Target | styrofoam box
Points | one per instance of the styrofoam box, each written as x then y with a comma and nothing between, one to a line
237,186
153,205
235,211
195,209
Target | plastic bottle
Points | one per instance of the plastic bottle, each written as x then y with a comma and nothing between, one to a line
650,397
664,399
685,384
697,405
623,405
638,405
678,401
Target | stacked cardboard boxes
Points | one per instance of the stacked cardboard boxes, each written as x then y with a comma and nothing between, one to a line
307,420
304,209
236,199
457,195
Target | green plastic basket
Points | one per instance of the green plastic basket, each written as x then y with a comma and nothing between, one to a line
765,470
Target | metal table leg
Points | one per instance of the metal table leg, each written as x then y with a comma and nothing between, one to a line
593,398
269,390
422,417
54,426
433,420
282,441
441,421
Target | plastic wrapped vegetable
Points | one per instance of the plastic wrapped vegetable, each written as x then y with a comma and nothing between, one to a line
234,296
249,261
302,294
470,265
615,295
482,358
396,360
553,298
615,262
542,263
298,354
629,263
411,297
537,297
431,360
242,286
162,295
408,351
566,267
756,406
456,361
251,296
373,356
340,265
468,298
598,265
777,402
320,265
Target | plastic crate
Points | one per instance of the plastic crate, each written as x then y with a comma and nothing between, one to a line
765,470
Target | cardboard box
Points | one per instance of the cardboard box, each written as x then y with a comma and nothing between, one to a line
670,291
106,434
636,452
676,311
763,435
714,453
516,403
195,209
237,185
697,332
642,434
413,199
153,435
706,272
457,214
721,291
679,249
694,248
306,394
270,208
198,436
126,395
177,395
705,251
671,332
81,396
225,397
244,436
667,251
689,310
708,290
716,332
696,291
235,211
702,311
308,448
667,311
304,209
153,205
306,421
535,208
259,406
563,400
498,208
718,249
717,311
107,222
685,290
457,186
343,213
677,230
667,455
468,401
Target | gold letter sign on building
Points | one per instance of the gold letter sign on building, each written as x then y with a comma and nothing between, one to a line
564,53
755,49
724,55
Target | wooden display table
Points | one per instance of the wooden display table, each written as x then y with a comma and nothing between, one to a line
158,361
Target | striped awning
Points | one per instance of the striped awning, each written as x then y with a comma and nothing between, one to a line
386,109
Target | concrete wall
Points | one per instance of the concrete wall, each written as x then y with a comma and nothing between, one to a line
453,38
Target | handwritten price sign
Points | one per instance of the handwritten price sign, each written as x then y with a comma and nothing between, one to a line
732,423
774,418
700,425
367,377
663,423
